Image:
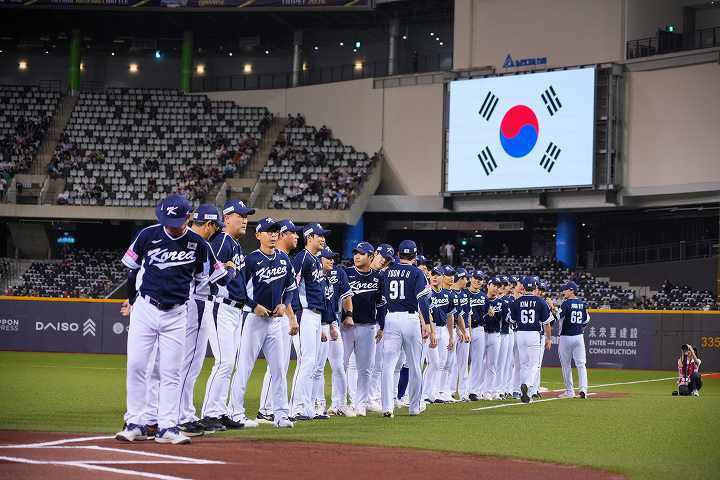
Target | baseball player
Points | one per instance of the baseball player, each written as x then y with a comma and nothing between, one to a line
270,284
167,257
459,374
206,222
497,310
359,336
383,258
478,305
442,310
311,294
405,289
540,289
287,242
512,288
531,314
331,347
574,317
226,327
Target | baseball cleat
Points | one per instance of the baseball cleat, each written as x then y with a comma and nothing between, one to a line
171,435
321,416
566,395
332,412
524,393
360,412
539,394
231,424
439,400
516,395
374,407
284,423
535,396
132,433
422,409
151,430
191,429
473,397
212,425
345,412
265,417
388,414
583,394
300,418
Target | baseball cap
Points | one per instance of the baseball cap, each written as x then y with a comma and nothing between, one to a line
542,285
437,270
407,247
421,259
207,212
172,211
529,283
497,280
386,251
287,225
479,274
237,206
514,279
569,285
447,270
327,253
364,247
315,229
267,224
460,273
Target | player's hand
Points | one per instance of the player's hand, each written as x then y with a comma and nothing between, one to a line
279,310
425,331
334,334
294,326
348,321
230,264
378,336
261,311
451,344
433,340
548,343
323,337
125,308
491,311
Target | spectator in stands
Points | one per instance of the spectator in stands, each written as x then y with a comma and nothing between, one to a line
63,198
3,187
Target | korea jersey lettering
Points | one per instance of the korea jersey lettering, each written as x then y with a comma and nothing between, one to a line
573,317
168,267
270,279
341,289
311,281
367,294
201,285
530,313
464,306
441,306
493,322
228,250
403,287
506,324
478,307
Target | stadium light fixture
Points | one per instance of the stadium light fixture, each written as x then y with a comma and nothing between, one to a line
305,66
112,54
22,65
316,48
200,69
357,44
441,44
247,68
158,55
354,50
358,65
404,37
267,52
134,68
229,54
342,44
82,67
47,52
432,34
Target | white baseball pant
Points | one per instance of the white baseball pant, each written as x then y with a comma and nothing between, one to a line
266,334
462,353
515,379
572,347
224,335
509,364
153,385
449,372
536,386
492,352
402,333
437,358
302,388
499,386
477,361
331,350
150,326
266,407
359,343
376,375
529,351
398,366
196,341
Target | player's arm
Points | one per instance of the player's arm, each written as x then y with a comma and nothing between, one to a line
132,260
547,328
346,295
450,325
217,271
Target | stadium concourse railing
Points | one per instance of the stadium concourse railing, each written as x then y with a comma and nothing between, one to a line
664,252
669,42
641,339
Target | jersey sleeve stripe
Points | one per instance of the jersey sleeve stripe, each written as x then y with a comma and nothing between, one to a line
425,291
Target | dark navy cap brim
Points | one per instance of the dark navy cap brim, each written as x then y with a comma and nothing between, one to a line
172,222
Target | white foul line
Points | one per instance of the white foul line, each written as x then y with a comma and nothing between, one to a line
93,467
57,442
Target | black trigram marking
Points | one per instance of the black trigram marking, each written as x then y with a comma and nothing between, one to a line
551,100
552,152
488,106
487,160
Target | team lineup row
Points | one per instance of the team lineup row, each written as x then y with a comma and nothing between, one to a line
190,284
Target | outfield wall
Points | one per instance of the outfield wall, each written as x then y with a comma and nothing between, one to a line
642,339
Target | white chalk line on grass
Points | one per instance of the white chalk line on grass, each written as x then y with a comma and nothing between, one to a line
58,442
503,405
89,466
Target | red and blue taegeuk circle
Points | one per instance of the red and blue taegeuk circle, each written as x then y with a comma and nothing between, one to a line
519,131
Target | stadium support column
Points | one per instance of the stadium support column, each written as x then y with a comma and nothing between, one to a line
565,240
186,60
297,58
353,235
393,45
74,70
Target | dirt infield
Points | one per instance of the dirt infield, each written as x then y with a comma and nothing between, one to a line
49,456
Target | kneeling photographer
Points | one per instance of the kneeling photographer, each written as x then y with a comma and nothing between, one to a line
689,379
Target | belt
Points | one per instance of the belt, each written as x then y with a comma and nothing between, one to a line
491,331
160,305
225,301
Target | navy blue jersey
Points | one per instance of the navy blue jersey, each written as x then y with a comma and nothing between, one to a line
169,267
403,286
367,294
270,279
441,306
506,324
228,250
493,322
464,306
311,281
341,289
478,308
530,313
573,316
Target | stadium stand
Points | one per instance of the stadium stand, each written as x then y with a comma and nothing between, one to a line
80,273
131,147
25,114
679,297
313,170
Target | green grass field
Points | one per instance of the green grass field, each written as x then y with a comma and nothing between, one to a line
645,434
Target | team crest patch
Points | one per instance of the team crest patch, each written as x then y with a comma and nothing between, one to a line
283,262
192,245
